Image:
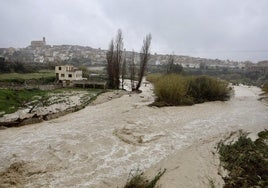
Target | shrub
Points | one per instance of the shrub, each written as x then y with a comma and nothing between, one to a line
265,88
205,88
173,90
246,161
137,180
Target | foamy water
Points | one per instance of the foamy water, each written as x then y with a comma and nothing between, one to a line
106,141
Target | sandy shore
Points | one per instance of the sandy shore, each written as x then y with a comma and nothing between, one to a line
99,145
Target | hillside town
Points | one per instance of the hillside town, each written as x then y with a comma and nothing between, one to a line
41,52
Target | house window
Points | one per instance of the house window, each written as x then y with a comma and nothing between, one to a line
59,68
70,75
62,75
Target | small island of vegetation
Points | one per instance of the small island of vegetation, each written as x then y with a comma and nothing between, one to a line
175,90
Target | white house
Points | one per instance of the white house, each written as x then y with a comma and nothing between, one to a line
68,73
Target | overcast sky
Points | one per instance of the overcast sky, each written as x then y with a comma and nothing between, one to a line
224,29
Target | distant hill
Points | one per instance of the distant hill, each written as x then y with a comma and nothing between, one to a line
91,56
263,63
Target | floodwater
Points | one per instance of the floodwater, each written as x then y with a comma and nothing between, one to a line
103,142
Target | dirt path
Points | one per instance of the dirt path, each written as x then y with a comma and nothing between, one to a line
102,143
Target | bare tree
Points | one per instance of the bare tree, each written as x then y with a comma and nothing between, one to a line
172,67
144,58
110,64
170,63
85,71
114,59
118,58
123,70
132,70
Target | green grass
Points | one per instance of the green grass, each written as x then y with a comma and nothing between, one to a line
43,75
246,161
27,76
11,100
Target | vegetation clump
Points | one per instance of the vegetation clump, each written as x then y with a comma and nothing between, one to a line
246,161
174,90
171,90
137,180
265,88
205,88
234,76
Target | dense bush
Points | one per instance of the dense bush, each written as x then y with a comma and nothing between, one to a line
265,87
235,76
173,90
205,88
246,161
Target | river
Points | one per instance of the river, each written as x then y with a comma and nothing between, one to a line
90,147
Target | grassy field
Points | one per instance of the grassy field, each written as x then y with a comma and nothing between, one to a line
11,100
45,75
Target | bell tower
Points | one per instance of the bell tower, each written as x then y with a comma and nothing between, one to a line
44,40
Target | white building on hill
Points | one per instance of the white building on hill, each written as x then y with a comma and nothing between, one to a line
68,73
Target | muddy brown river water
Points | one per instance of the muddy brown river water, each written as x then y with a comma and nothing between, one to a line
106,141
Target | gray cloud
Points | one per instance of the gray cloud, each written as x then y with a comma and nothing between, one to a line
215,29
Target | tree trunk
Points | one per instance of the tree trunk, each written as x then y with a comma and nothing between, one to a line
144,58
132,71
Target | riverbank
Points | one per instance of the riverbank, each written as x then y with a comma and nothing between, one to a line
56,104
198,165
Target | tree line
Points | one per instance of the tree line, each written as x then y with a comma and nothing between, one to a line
19,67
117,63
